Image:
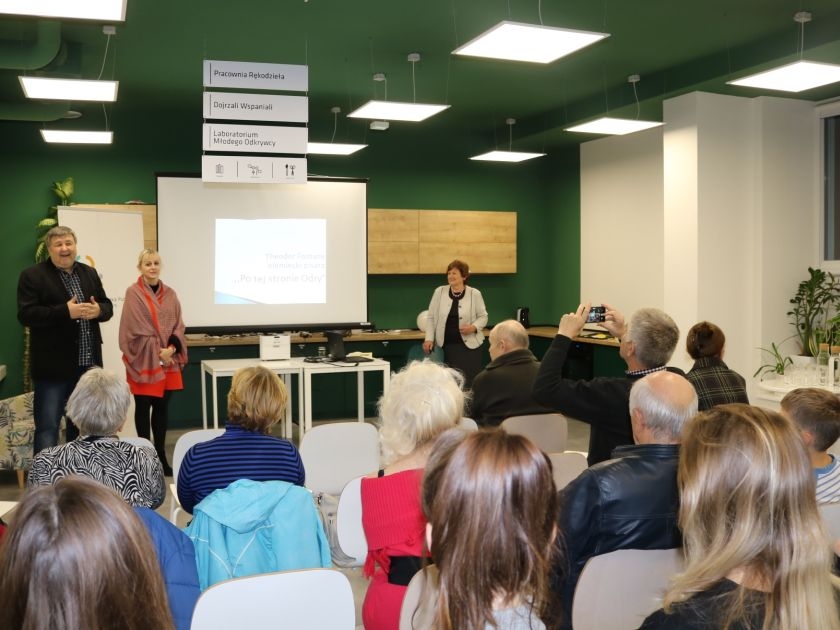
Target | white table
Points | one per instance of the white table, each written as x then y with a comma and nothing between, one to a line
226,367
310,369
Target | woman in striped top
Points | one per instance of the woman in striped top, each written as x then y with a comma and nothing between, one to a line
256,402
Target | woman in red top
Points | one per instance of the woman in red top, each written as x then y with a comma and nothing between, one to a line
154,349
423,401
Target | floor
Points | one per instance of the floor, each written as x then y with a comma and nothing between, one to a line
578,440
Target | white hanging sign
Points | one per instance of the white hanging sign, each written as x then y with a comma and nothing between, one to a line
253,170
255,138
256,76
246,106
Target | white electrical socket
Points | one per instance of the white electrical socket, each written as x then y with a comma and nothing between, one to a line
2,372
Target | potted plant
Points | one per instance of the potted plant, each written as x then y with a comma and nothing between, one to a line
777,363
815,301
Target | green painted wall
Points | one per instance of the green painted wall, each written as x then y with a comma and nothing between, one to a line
544,193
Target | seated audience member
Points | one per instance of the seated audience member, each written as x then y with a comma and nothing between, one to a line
646,345
503,388
256,402
176,557
491,504
630,501
715,383
816,412
98,407
756,552
76,556
423,401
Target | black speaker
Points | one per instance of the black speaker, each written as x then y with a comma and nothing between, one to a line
522,316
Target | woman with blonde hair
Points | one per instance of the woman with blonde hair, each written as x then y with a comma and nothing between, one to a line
491,504
756,552
154,349
76,556
423,400
256,402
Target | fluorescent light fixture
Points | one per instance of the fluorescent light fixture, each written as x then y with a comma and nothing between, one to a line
103,10
78,137
506,156
395,110
614,126
69,89
528,42
333,148
793,77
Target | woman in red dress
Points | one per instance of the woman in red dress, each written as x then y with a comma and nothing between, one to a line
423,401
154,349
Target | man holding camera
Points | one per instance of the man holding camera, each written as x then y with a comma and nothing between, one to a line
646,345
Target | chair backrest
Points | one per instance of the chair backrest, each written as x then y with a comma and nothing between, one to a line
351,534
335,453
831,518
186,442
617,590
567,465
311,599
422,587
468,424
549,431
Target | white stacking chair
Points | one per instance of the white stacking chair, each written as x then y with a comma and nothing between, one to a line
468,424
311,599
349,529
830,513
335,453
617,590
549,431
422,589
566,465
182,445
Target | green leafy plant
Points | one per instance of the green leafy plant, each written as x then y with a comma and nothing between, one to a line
64,191
815,300
778,363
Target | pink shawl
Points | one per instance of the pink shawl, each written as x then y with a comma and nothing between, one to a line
148,320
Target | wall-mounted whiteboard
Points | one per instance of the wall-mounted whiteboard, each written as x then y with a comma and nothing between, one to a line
245,257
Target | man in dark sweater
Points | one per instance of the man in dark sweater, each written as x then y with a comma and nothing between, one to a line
646,345
503,388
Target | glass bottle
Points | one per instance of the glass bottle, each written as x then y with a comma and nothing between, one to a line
834,379
822,366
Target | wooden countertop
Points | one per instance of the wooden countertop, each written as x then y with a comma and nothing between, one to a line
405,334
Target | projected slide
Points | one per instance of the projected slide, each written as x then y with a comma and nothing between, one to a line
270,261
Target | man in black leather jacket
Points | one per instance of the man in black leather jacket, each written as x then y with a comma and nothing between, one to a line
630,501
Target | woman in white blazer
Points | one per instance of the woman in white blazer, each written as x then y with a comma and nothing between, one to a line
456,318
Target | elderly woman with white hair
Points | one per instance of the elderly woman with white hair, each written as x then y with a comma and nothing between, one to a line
98,407
423,400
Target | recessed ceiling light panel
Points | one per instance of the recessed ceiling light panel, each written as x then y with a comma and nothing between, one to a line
69,89
793,77
77,137
614,126
506,156
100,10
395,110
333,148
528,42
